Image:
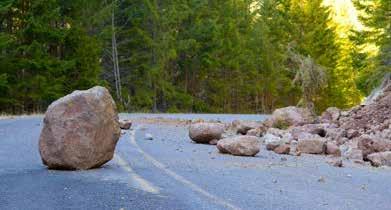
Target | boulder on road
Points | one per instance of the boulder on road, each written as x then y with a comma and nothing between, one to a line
311,144
204,132
380,158
240,145
288,116
80,130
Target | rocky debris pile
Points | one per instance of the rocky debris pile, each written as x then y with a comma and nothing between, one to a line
205,133
80,130
125,124
240,145
360,134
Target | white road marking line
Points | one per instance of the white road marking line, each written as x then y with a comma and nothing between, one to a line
137,180
180,178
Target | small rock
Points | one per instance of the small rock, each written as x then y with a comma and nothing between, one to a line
331,114
148,136
322,179
373,144
285,117
337,162
272,141
282,149
332,149
206,132
240,145
243,127
311,144
380,158
213,142
125,124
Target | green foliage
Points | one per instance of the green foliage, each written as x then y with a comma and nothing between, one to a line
376,15
45,54
188,55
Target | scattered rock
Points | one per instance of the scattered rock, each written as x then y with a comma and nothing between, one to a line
242,127
273,141
321,179
125,124
336,162
331,114
282,149
351,153
214,142
288,116
318,129
205,132
337,135
311,144
372,144
332,149
240,145
80,130
255,132
148,136
293,148
380,158
283,159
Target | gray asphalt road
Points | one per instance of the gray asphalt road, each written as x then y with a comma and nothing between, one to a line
170,172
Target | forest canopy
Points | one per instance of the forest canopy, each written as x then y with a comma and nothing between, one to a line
236,56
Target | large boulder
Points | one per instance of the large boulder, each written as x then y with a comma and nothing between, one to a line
311,144
80,130
239,145
288,116
204,132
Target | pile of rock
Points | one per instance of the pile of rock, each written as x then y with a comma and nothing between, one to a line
360,134
216,134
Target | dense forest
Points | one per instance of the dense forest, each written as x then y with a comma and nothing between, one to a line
233,56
